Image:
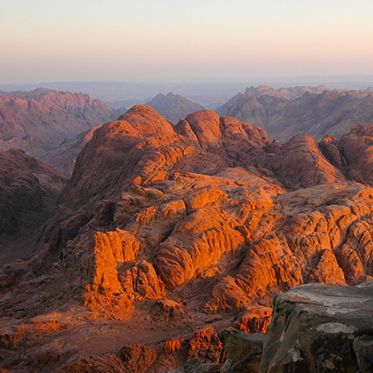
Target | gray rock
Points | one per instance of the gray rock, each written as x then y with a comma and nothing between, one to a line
198,366
363,347
321,328
243,351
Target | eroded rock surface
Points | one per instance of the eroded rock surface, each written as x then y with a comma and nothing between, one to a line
162,230
319,328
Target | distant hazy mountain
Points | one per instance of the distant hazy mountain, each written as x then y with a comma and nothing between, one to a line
39,121
120,110
173,107
63,158
207,94
126,94
320,114
288,92
118,105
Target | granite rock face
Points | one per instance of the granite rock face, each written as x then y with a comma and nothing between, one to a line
151,208
165,229
186,203
356,148
321,328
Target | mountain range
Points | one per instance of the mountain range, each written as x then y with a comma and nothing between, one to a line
40,121
320,114
289,93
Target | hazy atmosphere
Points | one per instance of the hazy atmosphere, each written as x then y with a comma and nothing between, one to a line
184,40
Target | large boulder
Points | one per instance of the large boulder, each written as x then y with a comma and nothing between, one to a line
321,328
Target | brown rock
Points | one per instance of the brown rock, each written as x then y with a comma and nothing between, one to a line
327,269
205,345
243,351
357,149
160,227
313,242
173,345
300,163
137,358
255,319
28,193
97,364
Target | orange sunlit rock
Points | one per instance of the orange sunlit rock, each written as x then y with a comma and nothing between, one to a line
169,229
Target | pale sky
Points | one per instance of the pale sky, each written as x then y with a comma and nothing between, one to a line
183,40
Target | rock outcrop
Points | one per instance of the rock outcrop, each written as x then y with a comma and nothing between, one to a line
313,242
356,150
206,200
300,163
319,328
163,229
243,351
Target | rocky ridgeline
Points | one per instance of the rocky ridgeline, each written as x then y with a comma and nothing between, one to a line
45,122
314,110
163,230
